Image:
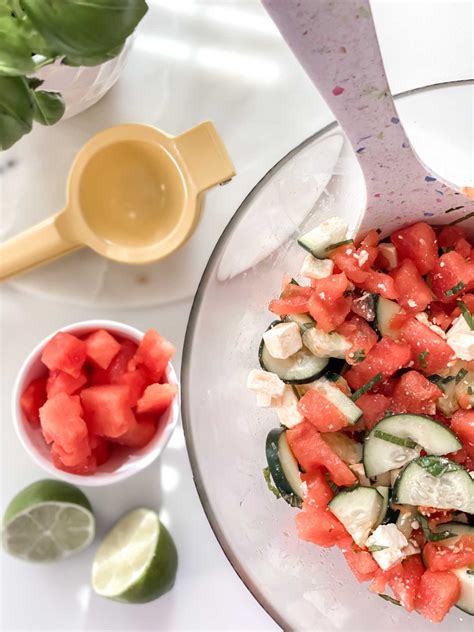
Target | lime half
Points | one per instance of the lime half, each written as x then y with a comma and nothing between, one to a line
137,560
47,521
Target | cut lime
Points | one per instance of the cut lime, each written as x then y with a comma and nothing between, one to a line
137,560
48,521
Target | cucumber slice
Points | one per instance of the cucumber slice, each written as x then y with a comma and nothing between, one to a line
466,583
283,467
434,481
347,449
342,402
300,368
325,345
316,241
304,321
457,528
385,493
385,310
358,510
396,440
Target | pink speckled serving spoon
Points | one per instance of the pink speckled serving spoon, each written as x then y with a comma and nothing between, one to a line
336,43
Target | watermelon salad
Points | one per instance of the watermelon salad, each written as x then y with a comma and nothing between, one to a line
99,393
369,367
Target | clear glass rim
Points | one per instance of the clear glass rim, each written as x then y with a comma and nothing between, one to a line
185,367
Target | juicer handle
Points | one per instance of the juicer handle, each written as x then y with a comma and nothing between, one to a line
37,245
205,156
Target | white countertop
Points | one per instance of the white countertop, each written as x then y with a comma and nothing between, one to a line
192,60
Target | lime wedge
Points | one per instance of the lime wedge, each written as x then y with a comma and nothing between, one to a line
137,560
47,521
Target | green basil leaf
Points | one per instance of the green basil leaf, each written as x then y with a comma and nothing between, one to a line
391,599
5,8
92,60
268,480
438,466
16,110
376,548
83,29
48,107
15,53
385,436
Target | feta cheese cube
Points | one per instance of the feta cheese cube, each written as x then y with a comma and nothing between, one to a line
263,400
390,253
325,345
460,337
283,340
265,382
316,268
391,542
287,408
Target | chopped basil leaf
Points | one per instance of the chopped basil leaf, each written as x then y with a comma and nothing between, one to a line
294,282
332,484
305,326
468,317
455,289
375,548
429,535
391,599
469,390
470,571
366,387
461,375
385,436
437,466
268,480
359,355
339,243
422,359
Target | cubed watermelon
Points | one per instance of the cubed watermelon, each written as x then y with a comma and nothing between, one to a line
154,352
60,382
319,493
78,455
362,337
32,398
140,433
387,357
117,367
311,452
107,409
157,398
65,352
86,468
406,581
101,348
319,526
99,448
430,352
414,293
414,393
380,283
451,276
322,413
361,563
374,406
418,243
136,381
62,421
437,592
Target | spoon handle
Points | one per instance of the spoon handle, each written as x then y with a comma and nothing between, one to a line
336,43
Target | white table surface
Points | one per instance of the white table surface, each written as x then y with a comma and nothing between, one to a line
192,60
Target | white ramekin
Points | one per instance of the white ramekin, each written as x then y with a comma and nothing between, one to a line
121,465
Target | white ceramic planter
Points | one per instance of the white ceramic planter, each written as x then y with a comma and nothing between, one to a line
82,86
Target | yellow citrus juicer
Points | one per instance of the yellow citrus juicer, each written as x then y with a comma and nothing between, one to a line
134,195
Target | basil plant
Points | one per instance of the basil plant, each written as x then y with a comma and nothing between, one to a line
35,33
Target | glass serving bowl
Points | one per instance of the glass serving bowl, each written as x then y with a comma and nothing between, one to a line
300,585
